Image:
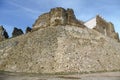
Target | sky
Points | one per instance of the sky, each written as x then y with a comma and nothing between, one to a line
23,13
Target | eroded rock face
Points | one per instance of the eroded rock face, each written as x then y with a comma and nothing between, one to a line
17,32
57,16
3,34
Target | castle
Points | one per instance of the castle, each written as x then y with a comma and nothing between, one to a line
60,16
60,43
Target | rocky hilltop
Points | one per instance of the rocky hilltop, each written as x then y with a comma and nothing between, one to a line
58,42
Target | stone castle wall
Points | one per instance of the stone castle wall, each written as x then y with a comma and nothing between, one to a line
61,16
111,31
60,49
106,28
42,20
101,25
57,16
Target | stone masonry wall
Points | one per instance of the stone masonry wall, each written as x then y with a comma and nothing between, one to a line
111,31
71,19
61,16
57,16
42,21
101,25
60,49
106,28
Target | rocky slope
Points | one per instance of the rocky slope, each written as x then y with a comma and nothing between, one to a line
60,49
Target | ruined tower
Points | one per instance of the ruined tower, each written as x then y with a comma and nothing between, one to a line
57,16
102,26
3,34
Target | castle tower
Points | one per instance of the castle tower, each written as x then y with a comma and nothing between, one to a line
102,26
70,16
57,16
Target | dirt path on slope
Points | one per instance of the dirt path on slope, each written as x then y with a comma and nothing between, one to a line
93,76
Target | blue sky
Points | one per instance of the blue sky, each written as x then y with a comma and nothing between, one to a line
23,13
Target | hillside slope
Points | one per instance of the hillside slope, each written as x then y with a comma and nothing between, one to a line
60,49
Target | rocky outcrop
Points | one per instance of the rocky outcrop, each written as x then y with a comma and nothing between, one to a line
28,29
3,34
57,16
17,32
